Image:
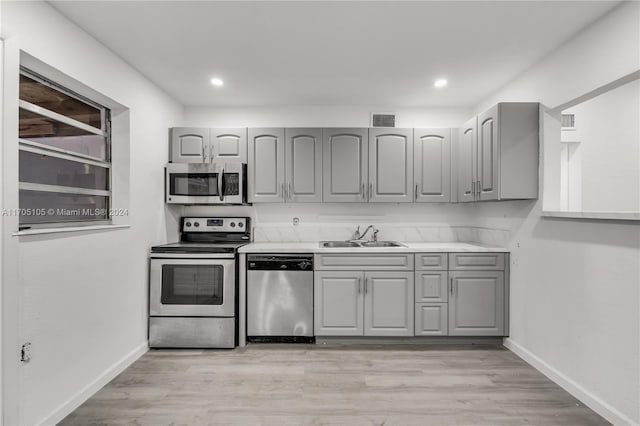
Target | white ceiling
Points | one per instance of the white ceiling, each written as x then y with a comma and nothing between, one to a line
332,53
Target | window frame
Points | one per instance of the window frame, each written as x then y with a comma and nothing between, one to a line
47,150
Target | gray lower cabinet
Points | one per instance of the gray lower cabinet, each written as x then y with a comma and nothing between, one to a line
360,302
388,304
460,294
431,319
338,303
383,295
431,286
477,303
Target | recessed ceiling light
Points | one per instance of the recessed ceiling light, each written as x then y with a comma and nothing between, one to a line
441,82
217,82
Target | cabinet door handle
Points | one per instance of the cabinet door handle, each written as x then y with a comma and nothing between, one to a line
359,285
451,285
290,189
370,190
416,193
362,194
204,154
366,285
282,189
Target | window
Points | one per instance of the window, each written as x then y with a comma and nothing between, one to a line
64,156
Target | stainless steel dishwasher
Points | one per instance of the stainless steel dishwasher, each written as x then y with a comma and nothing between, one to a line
280,298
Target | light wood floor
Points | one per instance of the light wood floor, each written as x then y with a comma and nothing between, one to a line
345,385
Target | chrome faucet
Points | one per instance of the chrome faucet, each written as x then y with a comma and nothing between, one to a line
358,236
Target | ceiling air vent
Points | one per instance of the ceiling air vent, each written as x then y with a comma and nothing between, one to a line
383,120
568,121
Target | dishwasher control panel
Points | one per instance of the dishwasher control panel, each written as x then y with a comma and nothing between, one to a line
281,262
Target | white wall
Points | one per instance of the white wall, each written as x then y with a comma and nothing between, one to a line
608,129
1,228
575,296
84,294
322,116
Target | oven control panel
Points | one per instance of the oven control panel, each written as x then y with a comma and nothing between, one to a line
214,224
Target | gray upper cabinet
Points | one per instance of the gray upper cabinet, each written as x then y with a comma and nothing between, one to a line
467,161
390,165
189,145
228,145
498,154
488,155
345,164
202,145
303,165
266,165
432,165
477,303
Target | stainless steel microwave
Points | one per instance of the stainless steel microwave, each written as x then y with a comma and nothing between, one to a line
206,183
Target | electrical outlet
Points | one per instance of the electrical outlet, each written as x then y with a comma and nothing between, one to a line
296,221
26,352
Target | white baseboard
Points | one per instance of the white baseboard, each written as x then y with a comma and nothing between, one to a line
588,398
76,400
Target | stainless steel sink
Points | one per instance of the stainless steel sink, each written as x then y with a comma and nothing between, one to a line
382,244
355,244
340,244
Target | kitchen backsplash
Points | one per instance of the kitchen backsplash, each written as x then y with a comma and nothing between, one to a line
405,233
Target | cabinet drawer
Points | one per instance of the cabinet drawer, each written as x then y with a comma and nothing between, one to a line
431,286
348,261
434,261
476,261
431,319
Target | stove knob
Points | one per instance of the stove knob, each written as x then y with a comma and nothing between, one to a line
196,224
188,224
233,224
240,225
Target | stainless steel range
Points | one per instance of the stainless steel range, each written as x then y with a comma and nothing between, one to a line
193,284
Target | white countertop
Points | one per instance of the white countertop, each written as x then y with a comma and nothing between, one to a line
314,247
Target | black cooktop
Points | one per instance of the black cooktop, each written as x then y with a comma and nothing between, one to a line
198,247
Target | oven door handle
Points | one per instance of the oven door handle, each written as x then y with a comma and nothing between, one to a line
221,185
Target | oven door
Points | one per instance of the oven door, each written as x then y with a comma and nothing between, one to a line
192,287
